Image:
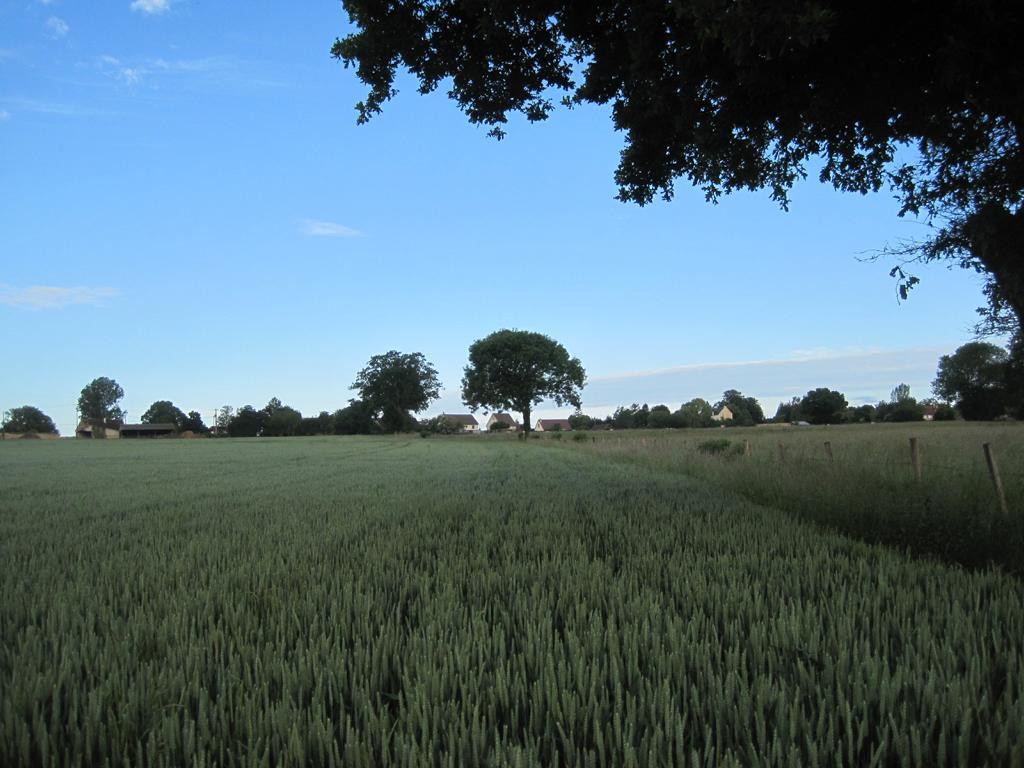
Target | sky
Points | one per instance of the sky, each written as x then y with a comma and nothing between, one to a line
188,206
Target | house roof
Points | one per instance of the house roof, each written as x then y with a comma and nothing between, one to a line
461,418
148,427
504,418
553,422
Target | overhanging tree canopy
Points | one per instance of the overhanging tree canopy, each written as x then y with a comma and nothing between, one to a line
743,95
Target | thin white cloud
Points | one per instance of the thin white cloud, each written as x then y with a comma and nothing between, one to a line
56,27
53,296
211,69
862,374
56,108
313,228
4,115
796,356
151,6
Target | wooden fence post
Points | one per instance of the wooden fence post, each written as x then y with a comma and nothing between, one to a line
828,451
915,457
782,452
997,481
746,447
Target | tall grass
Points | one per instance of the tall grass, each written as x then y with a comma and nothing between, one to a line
868,489
377,602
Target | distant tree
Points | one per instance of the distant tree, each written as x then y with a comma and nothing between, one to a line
907,409
247,422
165,412
325,424
862,414
516,370
945,412
823,406
357,418
746,411
580,421
624,418
281,420
900,393
442,425
641,416
27,418
499,426
788,413
194,423
99,399
660,417
395,384
975,378
223,418
313,425
696,413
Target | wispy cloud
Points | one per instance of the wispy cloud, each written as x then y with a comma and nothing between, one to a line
53,296
313,228
56,27
863,374
151,6
210,68
56,108
4,115
796,356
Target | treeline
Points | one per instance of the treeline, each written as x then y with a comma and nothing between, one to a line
515,370
745,412
278,420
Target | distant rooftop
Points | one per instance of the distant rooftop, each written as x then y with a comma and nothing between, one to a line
465,419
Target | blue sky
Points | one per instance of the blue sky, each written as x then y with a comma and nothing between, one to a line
188,206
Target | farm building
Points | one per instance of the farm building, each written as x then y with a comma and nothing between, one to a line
91,429
929,412
467,421
723,415
553,425
502,418
147,430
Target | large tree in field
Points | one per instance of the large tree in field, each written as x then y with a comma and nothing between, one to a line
27,418
515,370
395,384
974,377
925,99
99,399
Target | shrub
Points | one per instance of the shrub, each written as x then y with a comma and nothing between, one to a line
579,437
714,447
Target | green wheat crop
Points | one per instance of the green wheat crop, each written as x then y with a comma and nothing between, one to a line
470,602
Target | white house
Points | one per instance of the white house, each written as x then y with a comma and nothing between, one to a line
553,425
723,415
467,421
502,418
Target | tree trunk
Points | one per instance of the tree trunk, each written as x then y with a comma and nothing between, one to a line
526,420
